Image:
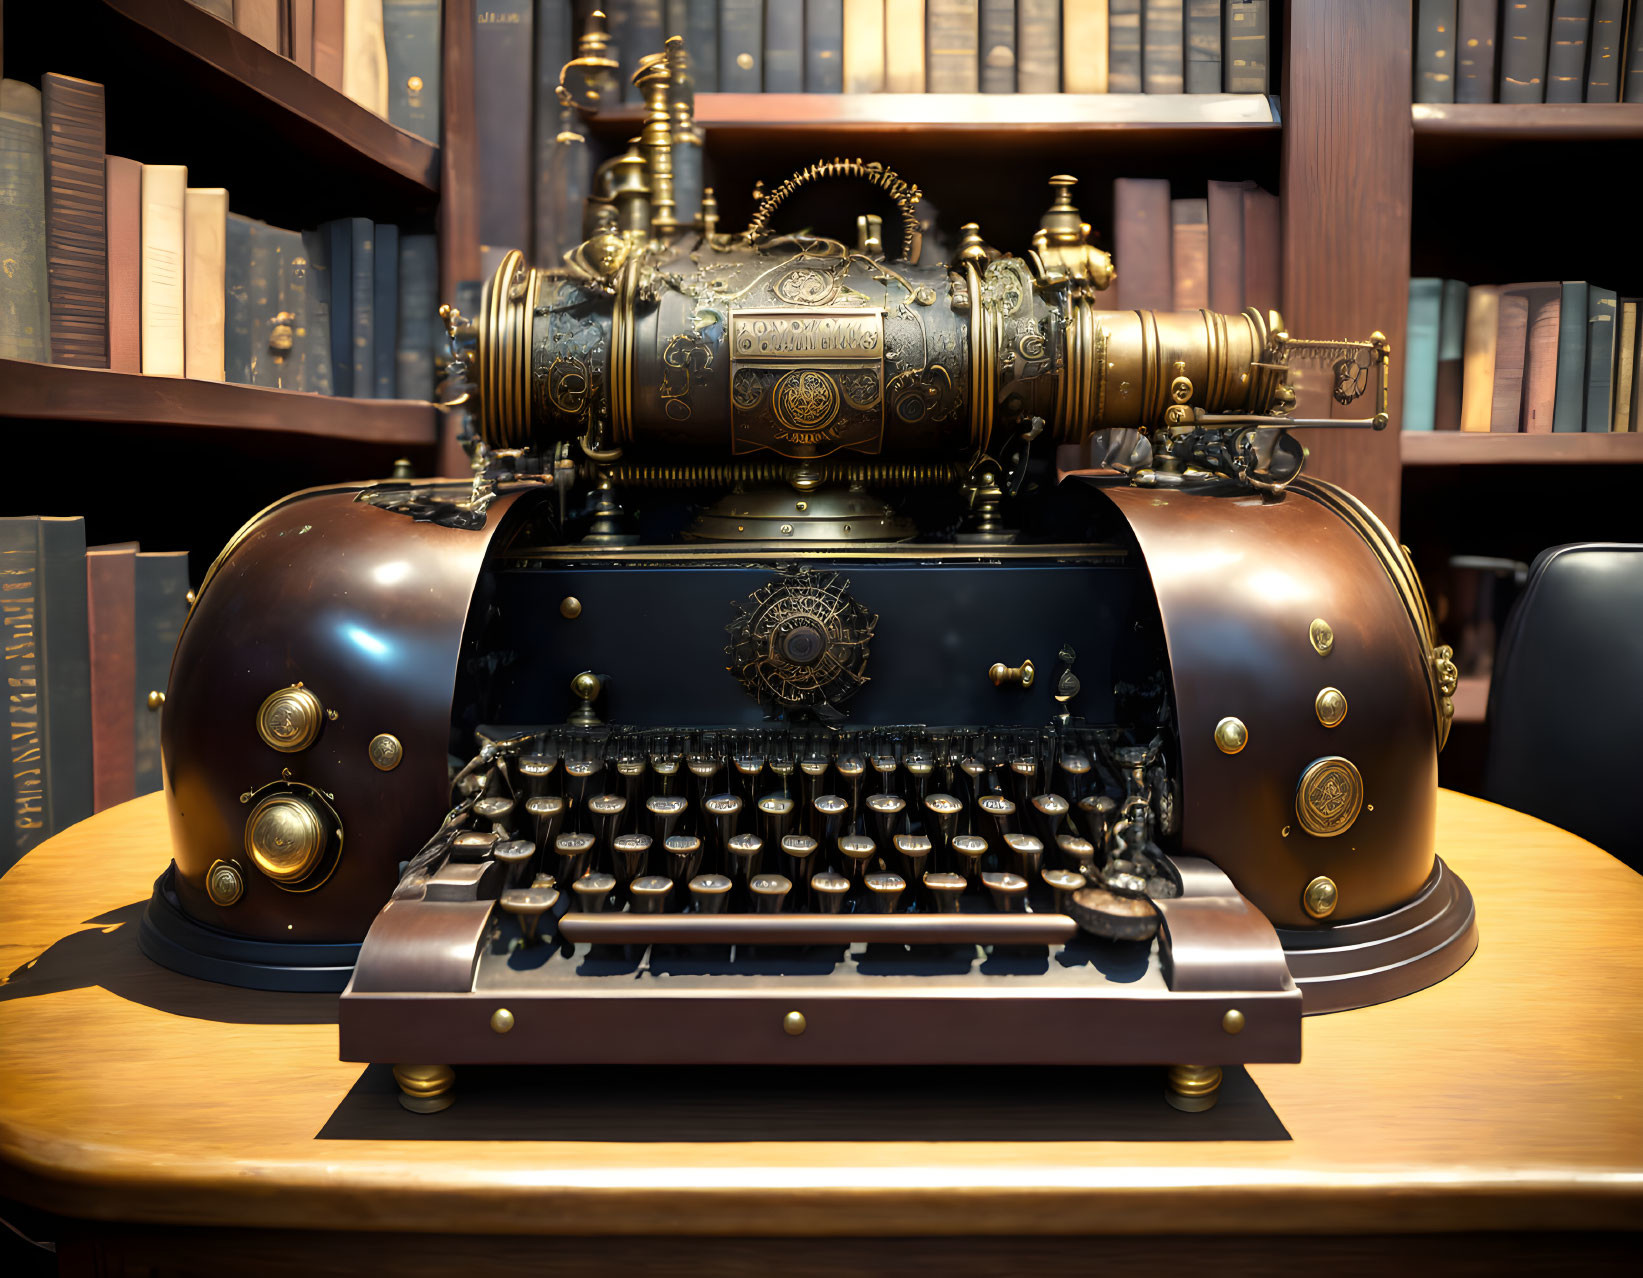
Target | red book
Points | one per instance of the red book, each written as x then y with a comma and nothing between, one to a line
1226,246
1141,243
1540,359
125,265
111,620
328,42
1189,250
1263,252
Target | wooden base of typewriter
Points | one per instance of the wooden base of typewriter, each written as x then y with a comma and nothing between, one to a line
451,981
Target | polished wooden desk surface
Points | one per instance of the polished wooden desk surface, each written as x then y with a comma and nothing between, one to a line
1506,1098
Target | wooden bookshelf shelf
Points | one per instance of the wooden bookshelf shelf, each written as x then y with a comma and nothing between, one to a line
1475,448
1526,122
52,392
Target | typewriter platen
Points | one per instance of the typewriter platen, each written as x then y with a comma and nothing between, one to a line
837,656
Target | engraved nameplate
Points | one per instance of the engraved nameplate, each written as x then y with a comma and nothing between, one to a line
806,383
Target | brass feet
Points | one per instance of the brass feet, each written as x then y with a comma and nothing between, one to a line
1192,1088
425,1089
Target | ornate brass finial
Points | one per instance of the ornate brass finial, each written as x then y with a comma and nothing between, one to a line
586,688
972,248
655,78
710,212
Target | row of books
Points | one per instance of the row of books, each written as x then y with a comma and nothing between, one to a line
87,634
384,54
121,265
1528,51
1552,356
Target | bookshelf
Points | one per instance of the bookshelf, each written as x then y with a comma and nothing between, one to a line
1464,448
1437,125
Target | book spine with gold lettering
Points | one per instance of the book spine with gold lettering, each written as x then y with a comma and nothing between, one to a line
784,46
953,42
1038,46
1084,46
411,32
25,330
76,220
1525,29
1475,50
1566,58
1603,65
1203,46
1123,46
1435,51
823,46
1247,55
502,47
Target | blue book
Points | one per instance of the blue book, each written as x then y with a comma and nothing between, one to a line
411,30
1602,312
635,33
555,46
316,356
1451,354
385,310
741,46
1420,373
339,256
824,44
503,50
998,46
419,324
161,607
702,43
291,283
1569,400
237,301
263,293
784,46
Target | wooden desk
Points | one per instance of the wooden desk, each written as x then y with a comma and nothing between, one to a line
171,1118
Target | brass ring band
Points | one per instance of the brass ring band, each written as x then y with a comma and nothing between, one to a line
619,393
504,353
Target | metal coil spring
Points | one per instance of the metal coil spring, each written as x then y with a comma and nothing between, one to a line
728,474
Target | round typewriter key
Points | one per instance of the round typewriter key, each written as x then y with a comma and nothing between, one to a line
942,813
945,890
912,855
1009,892
665,769
1077,854
1025,853
650,893
534,774
496,809
1046,814
473,845
883,891
528,905
703,769
592,892
768,892
828,892
515,856
746,851
919,768
683,855
628,854
884,773
1023,779
664,811
605,815
1062,885
828,813
631,771
812,778
722,812
1117,918
710,893
884,813
997,816
798,857
1094,815
582,779
856,856
748,768
1075,774
545,814
775,817
572,855
968,849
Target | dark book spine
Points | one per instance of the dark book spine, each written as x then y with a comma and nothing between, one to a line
161,609
502,51
741,46
411,30
1599,356
1569,401
998,46
419,324
1161,46
1525,29
1435,51
1566,59
702,43
25,789
952,46
237,321
317,363
76,220
1475,50
1246,31
339,261
1038,46
362,294
291,265
1632,77
385,310
784,46
263,288
1603,66
1124,46
555,46
111,618
635,31
1203,67
25,328
824,46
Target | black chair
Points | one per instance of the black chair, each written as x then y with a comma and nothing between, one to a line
1566,700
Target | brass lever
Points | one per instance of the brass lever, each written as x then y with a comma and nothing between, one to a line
1002,674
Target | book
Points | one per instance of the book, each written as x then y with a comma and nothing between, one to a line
1511,347
1420,365
222,9
997,46
741,46
784,46
1142,243
952,46
263,291
1475,50
1038,46
317,365
123,189
1603,63
237,299
25,327
635,31
411,39
1635,415
502,48
1569,409
328,42
361,297
1566,58
1084,46
824,45
1540,360
1625,366
385,309
161,608
1451,356
46,652
1226,245
1631,79
1162,55
1263,252
1435,51
1247,56
365,55
903,46
111,605
262,21
1600,332
165,188
205,248
339,256
702,42
1189,254
1525,26
864,46
299,33
1123,46
419,324
288,334
1203,45
555,46
1478,362
76,220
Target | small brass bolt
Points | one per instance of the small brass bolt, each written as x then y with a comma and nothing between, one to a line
1233,1021
1320,897
793,1024
1231,735
502,1020
570,607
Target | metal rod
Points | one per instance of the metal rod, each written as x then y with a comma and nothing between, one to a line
817,929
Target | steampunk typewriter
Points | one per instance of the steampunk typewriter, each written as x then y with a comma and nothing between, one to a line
837,655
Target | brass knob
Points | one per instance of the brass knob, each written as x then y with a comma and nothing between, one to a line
1320,897
1002,674
793,1024
586,688
1231,735
289,719
156,700
223,883
284,836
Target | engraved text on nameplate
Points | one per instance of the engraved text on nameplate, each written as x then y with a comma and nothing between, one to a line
806,383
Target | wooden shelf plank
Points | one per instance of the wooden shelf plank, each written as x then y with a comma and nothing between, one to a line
53,392
1529,121
1476,448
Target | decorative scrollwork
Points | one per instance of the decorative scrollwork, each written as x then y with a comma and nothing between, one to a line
800,643
902,193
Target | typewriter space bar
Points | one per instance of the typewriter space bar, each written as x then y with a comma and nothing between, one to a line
817,929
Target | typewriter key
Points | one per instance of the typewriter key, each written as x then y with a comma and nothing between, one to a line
683,855
1117,918
1062,885
650,894
1075,775
884,774
663,812
828,813
919,768
768,892
851,769
883,891
710,893
582,779
528,905
812,782
1025,853
968,849
534,775
945,890
572,855
775,817
828,892
942,813
592,892
473,845
722,812
997,816
629,854
1009,892
704,770
665,768
545,815
856,856
884,813
912,855
1077,854
496,809
748,769
1045,816
746,852
515,856
631,771
798,857
1094,816
1023,779
605,815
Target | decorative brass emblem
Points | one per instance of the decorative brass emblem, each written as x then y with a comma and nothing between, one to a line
385,751
806,398
289,719
223,883
1320,897
1231,735
284,837
1329,796
1322,636
1331,707
801,643
806,383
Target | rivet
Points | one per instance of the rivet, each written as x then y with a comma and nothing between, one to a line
570,607
1322,636
1331,707
1320,897
502,1020
1233,1021
786,529
793,1024
385,751
1231,735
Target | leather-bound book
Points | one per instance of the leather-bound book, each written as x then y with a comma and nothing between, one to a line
1189,254
824,46
1435,51
361,301
702,43
635,32
1226,245
123,189
385,309
165,188
1475,50
1518,303
904,46
1631,78
1525,30
317,365
290,364
952,44
267,364
1625,366
784,46
1038,46
365,55
864,46
76,220
237,299
205,249
1603,65
502,117
161,608
1142,243
262,21
411,34
1540,361
1451,355
111,619
555,46
1420,365
1203,64
1123,46
328,42
1247,59
1569,411
1478,373
25,327
998,46
1263,252
351,286
419,325
1162,56
299,33
1085,42
1566,59
1600,331
741,46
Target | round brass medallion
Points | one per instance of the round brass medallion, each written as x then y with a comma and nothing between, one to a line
1322,636
1331,707
223,883
1329,796
1320,897
1231,735
285,837
385,751
290,719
